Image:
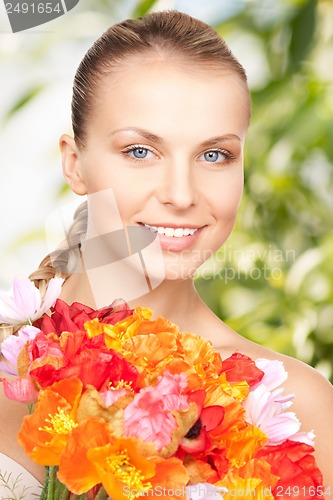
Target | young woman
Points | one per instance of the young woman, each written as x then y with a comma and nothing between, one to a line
160,113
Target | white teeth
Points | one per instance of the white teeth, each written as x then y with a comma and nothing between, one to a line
177,232
169,231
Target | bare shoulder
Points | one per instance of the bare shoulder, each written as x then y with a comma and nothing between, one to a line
313,395
313,405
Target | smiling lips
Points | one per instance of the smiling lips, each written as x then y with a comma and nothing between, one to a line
175,238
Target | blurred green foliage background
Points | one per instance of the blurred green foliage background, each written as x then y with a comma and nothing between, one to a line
277,267
273,280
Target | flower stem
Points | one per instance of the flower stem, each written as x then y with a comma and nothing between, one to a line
43,495
52,483
64,495
61,492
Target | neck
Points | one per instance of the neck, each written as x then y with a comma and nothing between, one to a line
178,301
175,300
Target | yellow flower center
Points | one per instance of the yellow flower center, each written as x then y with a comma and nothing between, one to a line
61,423
122,385
120,466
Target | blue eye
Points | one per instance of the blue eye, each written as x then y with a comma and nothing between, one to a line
214,156
139,153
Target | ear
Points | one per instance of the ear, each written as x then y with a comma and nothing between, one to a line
71,164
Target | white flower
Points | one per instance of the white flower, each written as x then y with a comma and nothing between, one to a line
265,410
266,406
24,304
274,373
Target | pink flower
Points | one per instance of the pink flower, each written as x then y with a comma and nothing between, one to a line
12,346
43,347
265,406
111,396
20,389
274,373
149,415
265,410
24,305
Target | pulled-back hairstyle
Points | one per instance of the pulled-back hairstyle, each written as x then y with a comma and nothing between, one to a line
172,34
167,34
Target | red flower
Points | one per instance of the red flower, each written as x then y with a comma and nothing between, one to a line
293,463
198,439
72,318
240,367
88,359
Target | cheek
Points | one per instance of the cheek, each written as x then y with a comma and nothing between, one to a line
225,198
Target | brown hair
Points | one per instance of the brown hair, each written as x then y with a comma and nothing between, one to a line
168,34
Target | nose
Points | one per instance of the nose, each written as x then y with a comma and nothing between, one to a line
178,187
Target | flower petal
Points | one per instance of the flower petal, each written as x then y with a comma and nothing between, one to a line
9,313
20,389
274,372
26,297
51,295
13,344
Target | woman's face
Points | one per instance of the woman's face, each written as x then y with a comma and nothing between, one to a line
167,141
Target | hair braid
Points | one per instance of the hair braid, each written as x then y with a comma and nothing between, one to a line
66,258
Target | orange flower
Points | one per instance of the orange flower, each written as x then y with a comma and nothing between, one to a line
148,351
200,354
99,457
241,439
170,479
158,346
116,334
45,432
255,480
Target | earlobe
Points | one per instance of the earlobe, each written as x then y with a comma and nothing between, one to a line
71,166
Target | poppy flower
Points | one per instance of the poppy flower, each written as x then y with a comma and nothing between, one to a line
72,318
150,415
116,334
170,478
100,457
45,432
198,439
295,466
199,353
240,367
22,390
85,358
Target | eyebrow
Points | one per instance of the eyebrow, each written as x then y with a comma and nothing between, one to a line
140,131
159,140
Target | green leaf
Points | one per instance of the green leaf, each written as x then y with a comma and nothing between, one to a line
143,8
302,33
24,100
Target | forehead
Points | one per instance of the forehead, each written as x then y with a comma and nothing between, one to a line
172,98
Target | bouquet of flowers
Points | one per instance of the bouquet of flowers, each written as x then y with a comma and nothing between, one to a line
124,406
